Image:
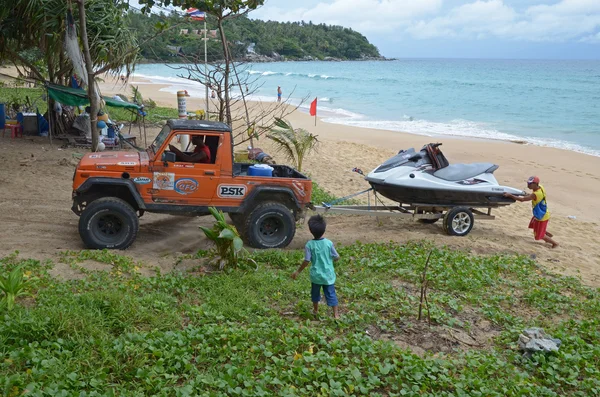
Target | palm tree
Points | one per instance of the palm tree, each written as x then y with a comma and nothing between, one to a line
294,144
38,26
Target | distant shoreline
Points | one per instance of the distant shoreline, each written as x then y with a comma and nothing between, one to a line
179,60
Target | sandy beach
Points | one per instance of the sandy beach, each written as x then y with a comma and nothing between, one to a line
572,182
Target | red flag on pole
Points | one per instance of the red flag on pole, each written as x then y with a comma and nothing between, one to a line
195,14
313,107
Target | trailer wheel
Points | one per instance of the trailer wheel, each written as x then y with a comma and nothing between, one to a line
458,221
270,225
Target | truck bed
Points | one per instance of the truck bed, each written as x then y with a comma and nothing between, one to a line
279,171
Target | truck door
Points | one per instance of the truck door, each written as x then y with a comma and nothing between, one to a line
189,183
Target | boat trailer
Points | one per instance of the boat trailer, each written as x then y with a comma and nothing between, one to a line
457,220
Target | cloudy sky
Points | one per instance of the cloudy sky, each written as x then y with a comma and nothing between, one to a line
458,28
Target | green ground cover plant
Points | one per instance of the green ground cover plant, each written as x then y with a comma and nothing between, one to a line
250,332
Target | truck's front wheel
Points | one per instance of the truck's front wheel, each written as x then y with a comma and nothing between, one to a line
270,225
108,223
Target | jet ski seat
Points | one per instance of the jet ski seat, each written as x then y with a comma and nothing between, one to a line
459,172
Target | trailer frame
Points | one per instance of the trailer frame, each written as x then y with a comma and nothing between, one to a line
458,219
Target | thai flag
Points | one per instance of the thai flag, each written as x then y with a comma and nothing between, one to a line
195,14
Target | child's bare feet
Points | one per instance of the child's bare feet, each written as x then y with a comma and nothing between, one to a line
336,313
554,245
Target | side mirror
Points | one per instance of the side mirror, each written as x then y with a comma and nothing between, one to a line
169,157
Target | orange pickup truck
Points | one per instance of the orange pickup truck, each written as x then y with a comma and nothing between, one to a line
111,190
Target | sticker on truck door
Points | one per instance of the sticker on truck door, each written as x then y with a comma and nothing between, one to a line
231,191
164,180
186,186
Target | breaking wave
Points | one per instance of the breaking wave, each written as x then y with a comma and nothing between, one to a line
455,128
302,75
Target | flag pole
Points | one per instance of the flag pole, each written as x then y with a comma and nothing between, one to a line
206,68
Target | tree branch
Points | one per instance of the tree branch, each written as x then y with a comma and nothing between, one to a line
106,68
26,63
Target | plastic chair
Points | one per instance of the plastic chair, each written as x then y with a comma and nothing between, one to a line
16,129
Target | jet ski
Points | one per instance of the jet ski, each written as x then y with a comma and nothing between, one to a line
426,177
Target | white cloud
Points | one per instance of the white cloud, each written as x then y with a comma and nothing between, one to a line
563,20
362,15
476,20
594,39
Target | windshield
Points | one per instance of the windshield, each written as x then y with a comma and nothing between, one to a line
160,138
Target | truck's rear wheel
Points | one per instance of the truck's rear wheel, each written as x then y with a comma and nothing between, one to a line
108,223
270,225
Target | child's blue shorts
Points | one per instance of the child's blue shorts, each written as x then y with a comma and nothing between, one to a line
328,291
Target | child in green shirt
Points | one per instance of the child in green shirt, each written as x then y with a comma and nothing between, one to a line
321,253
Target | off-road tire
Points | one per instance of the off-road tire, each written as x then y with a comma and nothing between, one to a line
269,225
458,221
108,222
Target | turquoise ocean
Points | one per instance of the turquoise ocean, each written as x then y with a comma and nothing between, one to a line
549,103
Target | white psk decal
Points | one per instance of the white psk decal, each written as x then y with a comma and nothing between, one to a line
231,191
164,181
127,163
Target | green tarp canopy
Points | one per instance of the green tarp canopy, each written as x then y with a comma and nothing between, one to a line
78,97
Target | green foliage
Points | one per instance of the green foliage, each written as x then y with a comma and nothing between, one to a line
12,286
293,40
26,99
23,96
320,195
228,243
294,144
250,332
33,33
301,39
218,7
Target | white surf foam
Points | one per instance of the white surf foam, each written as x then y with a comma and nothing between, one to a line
287,74
454,128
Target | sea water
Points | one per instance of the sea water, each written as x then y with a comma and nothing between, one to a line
550,103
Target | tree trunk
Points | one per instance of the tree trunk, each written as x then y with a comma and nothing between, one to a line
226,74
92,94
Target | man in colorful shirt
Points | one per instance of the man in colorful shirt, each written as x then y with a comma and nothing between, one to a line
541,215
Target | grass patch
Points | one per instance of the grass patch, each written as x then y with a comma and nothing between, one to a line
320,195
156,115
31,97
34,97
251,332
